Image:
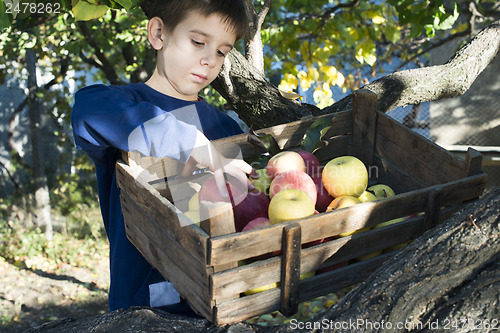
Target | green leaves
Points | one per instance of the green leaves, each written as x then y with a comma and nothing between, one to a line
85,11
312,138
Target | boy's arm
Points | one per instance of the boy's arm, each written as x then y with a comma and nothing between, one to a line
105,118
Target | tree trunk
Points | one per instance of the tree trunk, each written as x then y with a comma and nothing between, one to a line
258,103
42,199
448,279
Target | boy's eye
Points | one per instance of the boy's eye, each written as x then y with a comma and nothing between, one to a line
221,54
197,43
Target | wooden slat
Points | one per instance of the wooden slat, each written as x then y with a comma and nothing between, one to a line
473,162
176,265
327,254
268,301
176,224
415,154
290,270
364,125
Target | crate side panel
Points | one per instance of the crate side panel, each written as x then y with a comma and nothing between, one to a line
176,224
240,246
416,154
329,253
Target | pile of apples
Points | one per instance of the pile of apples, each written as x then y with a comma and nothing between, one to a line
294,185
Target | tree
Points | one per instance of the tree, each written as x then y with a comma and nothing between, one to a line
447,279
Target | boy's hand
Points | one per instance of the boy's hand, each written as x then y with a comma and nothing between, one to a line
204,153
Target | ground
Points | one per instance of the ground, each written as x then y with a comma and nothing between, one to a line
31,297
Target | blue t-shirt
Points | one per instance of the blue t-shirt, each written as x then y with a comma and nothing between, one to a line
108,119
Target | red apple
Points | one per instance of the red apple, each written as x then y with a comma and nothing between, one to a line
284,161
257,223
210,192
255,204
313,166
293,179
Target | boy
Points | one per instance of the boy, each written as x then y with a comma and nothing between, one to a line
161,117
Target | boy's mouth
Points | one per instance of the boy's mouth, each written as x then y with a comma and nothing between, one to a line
199,78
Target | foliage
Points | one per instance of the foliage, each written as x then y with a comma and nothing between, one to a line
25,248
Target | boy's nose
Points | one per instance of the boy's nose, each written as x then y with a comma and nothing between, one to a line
208,59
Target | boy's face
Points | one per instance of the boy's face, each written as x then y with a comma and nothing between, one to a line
193,54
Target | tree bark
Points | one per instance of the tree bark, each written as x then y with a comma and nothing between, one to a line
448,279
42,198
260,104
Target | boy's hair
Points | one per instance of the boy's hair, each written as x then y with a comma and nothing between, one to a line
172,12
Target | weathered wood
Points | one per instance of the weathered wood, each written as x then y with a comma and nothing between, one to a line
364,125
473,162
290,269
176,265
158,208
423,159
257,242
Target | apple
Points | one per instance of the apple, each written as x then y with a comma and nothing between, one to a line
367,196
257,223
313,166
307,275
255,204
284,161
194,216
263,182
261,289
323,197
210,192
293,179
290,204
343,202
345,175
381,191
369,255
383,224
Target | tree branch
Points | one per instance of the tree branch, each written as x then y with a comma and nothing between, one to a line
434,83
103,63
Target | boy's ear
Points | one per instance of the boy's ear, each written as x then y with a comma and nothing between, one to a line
155,36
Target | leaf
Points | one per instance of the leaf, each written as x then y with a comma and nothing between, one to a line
265,141
84,11
311,140
4,17
127,4
290,95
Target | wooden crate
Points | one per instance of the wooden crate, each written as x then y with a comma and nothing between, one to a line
202,262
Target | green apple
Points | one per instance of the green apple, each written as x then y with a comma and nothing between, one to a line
290,204
345,175
263,182
367,196
381,191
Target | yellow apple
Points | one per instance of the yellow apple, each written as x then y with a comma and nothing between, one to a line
290,204
370,255
261,289
307,275
381,191
263,182
343,202
367,196
345,175
194,203
194,216
386,223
